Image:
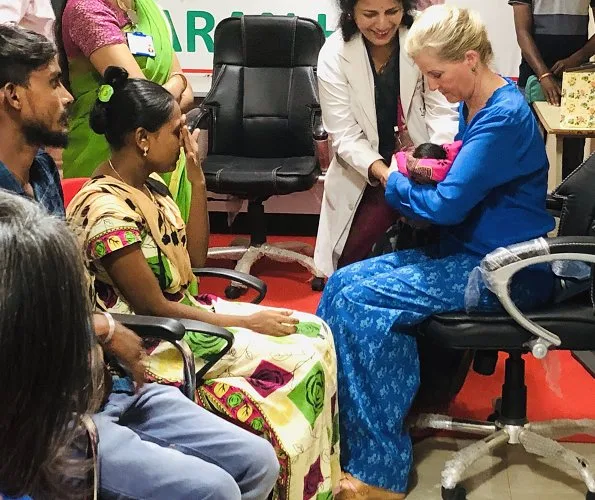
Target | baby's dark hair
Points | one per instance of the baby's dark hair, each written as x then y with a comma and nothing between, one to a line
429,150
135,103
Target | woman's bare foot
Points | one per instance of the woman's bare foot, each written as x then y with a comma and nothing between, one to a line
351,488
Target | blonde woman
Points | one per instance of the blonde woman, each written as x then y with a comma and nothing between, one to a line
369,88
494,195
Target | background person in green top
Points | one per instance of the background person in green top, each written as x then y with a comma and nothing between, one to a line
95,34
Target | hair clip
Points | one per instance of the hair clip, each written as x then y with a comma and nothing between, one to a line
105,93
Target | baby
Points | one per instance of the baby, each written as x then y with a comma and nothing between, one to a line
428,163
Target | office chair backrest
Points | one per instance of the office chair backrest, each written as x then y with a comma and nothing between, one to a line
578,193
264,79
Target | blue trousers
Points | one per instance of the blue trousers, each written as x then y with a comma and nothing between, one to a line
372,307
159,445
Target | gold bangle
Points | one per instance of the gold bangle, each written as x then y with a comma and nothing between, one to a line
183,77
544,76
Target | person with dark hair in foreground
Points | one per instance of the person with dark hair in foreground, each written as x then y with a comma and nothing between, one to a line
47,383
280,377
153,442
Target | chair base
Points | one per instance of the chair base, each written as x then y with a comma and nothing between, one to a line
247,255
537,438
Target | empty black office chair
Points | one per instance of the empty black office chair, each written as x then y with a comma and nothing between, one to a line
261,113
568,324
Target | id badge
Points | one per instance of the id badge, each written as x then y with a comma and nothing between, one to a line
140,44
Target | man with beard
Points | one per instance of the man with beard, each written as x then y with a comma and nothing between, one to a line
153,442
33,113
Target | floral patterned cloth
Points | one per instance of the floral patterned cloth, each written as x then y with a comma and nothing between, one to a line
578,100
282,388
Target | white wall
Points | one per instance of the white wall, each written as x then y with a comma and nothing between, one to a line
194,24
498,18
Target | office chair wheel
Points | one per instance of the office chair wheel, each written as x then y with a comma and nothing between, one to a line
234,292
318,284
458,493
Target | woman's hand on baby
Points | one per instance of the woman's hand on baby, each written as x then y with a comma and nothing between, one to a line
190,145
378,170
272,322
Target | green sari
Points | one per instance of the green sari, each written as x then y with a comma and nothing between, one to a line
86,149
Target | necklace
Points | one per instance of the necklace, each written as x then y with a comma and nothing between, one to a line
130,11
109,162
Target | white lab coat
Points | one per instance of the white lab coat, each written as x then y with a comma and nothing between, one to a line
346,88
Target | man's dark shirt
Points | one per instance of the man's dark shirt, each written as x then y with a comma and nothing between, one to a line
44,179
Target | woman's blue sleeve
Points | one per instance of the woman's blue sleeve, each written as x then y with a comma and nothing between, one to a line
486,160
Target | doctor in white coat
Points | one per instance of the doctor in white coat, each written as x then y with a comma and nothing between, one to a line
371,32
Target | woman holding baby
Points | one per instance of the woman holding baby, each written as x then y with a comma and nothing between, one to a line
369,87
493,195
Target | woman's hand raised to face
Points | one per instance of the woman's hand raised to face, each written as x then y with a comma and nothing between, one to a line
190,145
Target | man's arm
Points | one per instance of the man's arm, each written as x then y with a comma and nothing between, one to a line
523,23
580,56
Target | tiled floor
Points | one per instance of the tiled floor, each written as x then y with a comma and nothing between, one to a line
510,474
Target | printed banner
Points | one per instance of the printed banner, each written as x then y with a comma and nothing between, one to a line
193,23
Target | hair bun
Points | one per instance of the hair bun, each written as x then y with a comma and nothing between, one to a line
115,76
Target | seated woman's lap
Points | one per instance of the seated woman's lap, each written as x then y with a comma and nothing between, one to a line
359,271
371,306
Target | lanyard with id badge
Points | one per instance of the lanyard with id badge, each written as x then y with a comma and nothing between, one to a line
140,44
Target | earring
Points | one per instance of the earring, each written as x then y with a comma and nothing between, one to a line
145,152
473,70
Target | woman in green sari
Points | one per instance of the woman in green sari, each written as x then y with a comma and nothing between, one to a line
135,35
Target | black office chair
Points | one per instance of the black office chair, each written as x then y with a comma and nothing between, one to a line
172,331
262,113
571,317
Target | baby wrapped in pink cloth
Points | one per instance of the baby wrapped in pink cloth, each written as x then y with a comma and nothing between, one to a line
428,163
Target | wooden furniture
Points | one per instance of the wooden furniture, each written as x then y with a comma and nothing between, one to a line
549,118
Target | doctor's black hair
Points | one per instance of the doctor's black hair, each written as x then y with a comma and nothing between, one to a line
347,22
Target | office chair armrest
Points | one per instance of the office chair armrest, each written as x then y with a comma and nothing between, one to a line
498,267
318,131
154,327
243,278
199,117
215,331
168,330
554,204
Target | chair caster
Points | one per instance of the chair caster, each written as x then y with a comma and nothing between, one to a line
318,284
458,493
234,292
